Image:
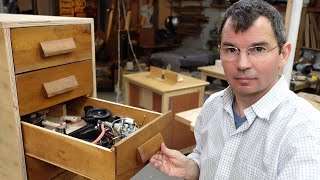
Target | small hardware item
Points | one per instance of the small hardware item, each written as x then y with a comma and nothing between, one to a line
122,127
93,115
34,118
55,126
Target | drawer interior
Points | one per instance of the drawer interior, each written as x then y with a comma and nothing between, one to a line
90,160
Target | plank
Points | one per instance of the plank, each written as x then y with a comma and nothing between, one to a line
134,14
288,15
312,98
307,32
12,163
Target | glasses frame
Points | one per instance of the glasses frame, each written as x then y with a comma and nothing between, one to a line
246,50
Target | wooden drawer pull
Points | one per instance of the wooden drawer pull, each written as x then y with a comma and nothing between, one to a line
60,86
149,148
56,47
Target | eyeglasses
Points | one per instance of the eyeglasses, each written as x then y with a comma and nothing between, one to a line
230,53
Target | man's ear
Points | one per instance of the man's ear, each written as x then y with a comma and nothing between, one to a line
285,53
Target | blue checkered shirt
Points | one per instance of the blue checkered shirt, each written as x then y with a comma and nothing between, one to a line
279,140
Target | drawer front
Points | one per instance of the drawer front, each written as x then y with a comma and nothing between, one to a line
27,50
90,160
33,96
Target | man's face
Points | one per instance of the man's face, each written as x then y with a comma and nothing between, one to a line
248,75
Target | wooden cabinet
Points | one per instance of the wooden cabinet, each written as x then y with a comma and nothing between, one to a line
142,90
30,82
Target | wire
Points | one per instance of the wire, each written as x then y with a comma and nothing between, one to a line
118,92
129,37
103,131
118,81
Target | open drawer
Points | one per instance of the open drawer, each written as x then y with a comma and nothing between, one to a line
122,161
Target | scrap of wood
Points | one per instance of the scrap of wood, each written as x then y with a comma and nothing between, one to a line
156,72
172,77
56,47
128,21
60,86
110,21
149,148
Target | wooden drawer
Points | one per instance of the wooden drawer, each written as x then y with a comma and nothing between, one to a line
90,160
32,96
27,52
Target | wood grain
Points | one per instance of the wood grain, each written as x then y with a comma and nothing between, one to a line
57,47
126,150
41,170
32,96
72,154
149,148
60,86
27,52
12,163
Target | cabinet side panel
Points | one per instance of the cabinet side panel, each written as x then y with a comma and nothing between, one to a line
12,163
183,137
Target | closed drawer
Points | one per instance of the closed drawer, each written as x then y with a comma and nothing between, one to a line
90,160
33,96
27,51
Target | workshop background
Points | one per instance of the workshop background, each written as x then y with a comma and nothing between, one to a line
174,40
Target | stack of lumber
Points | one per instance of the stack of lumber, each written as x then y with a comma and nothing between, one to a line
312,30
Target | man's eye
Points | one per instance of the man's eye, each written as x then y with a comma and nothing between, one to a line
259,49
231,49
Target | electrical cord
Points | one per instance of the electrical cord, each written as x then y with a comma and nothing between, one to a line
129,37
118,92
103,131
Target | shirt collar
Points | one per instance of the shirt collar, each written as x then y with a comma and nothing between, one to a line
271,99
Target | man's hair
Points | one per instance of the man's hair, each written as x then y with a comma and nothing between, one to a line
244,12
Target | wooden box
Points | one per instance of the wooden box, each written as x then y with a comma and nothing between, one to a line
153,93
47,62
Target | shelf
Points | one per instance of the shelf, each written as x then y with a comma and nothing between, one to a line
313,9
223,6
312,49
226,6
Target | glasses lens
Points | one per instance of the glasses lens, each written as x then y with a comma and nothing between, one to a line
229,53
257,51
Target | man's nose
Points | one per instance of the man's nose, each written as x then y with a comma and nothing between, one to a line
243,61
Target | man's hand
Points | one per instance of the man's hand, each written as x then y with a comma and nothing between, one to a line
174,163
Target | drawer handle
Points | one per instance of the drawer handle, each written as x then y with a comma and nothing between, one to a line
149,148
60,86
56,47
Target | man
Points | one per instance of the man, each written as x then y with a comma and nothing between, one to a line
256,128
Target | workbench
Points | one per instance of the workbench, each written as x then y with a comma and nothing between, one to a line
189,117
212,71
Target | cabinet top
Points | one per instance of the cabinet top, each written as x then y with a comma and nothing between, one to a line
143,79
23,20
